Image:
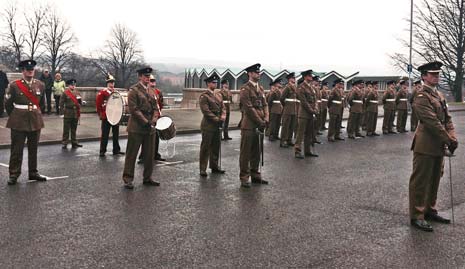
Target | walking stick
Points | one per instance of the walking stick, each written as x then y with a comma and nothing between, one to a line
260,147
449,155
219,140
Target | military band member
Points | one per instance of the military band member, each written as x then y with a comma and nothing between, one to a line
372,109
289,115
363,121
336,107
356,109
101,105
307,113
226,96
435,133
23,101
401,106
144,113
214,114
413,117
70,107
389,101
324,105
276,108
254,120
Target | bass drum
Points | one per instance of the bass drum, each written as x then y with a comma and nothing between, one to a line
116,109
165,128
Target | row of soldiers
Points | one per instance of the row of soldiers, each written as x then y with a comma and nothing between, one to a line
284,105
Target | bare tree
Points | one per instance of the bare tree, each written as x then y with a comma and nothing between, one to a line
58,41
122,54
439,34
13,36
35,23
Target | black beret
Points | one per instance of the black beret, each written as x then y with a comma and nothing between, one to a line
402,82
71,82
224,81
338,80
325,83
145,70
253,68
368,82
417,82
316,78
278,80
432,67
306,72
390,82
356,82
374,83
290,75
27,64
213,78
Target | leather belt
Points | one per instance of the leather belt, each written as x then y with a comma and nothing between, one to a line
276,102
336,102
26,107
358,101
390,100
403,99
324,100
318,101
291,100
373,101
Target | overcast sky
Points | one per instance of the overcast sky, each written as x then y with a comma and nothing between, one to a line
342,35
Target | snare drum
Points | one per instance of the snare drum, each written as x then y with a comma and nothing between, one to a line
165,128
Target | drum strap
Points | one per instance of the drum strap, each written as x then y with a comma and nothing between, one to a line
75,101
27,93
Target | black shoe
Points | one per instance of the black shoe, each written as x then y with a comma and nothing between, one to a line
385,132
259,181
342,127
331,140
340,138
376,134
245,184
299,155
351,137
64,146
159,159
12,180
77,146
317,142
436,218
284,145
291,144
421,225
359,135
129,186
392,132
118,153
319,133
369,134
150,183
140,161
37,177
102,154
228,138
203,173
311,154
218,171
324,128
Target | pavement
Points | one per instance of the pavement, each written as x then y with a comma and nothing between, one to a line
346,209
187,121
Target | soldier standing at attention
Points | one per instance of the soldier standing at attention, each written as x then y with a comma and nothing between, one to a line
365,90
3,84
226,96
70,106
372,109
23,100
413,117
101,105
434,138
356,109
307,113
276,108
317,121
214,114
401,106
289,115
144,113
389,101
335,104
254,120
324,105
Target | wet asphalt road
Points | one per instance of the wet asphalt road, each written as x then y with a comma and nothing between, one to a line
347,208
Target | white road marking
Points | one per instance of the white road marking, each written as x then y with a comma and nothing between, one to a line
197,145
4,165
82,155
237,150
167,163
51,178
